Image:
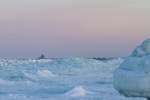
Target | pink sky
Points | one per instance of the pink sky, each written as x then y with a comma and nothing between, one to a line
65,28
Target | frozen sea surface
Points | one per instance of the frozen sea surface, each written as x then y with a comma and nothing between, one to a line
59,79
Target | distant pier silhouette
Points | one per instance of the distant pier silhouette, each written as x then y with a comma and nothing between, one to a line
42,56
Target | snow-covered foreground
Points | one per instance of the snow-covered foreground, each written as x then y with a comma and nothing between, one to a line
59,79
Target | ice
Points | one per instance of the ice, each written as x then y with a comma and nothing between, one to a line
77,92
132,78
40,74
45,73
59,79
6,82
143,49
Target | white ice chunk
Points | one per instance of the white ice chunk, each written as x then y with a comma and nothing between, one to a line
77,92
45,73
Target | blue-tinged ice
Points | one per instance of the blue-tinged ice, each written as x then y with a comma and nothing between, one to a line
132,78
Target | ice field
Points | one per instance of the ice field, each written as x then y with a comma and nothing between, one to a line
59,79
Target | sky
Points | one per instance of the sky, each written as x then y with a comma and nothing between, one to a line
72,28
